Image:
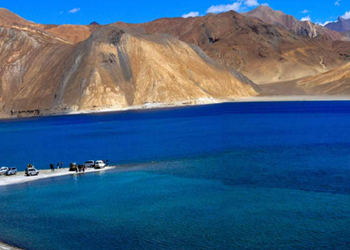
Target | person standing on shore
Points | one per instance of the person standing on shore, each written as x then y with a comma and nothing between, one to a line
58,165
61,164
107,162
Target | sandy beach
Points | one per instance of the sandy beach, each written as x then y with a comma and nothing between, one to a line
20,177
210,101
195,102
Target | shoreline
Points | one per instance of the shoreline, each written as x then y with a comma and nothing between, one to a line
189,103
21,178
4,246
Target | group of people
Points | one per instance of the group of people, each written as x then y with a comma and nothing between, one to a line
80,168
52,167
30,166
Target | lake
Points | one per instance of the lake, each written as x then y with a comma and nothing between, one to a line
226,176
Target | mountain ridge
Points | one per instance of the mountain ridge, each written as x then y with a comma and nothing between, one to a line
341,25
112,69
68,68
304,28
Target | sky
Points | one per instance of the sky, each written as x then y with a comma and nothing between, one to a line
138,11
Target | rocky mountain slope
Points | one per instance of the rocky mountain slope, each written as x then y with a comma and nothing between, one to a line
302,28
263,52
113,69
341,25
335,82
58,68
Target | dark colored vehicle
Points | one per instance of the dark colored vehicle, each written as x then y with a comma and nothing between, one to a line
3,170
73,166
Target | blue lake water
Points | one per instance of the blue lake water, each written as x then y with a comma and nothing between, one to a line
228,176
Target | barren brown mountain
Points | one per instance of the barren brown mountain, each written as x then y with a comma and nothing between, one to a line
341,25
44,73
55,68
303,28
264,52
333,82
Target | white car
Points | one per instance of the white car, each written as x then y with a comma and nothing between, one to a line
99,164
89,164
32,171
3,170
11,171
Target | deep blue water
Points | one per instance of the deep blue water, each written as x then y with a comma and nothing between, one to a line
228,176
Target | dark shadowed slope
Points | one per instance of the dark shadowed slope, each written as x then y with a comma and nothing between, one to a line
341,25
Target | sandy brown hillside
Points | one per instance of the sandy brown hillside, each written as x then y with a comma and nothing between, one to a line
303,28
333,82
57,68
8,17
111,69
263,52
70,33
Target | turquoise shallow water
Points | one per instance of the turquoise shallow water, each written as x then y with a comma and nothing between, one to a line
232,176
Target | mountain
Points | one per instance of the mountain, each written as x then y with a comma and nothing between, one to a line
332,82
263,52
8,17
114,68
303,28
62,68
94,23
341,25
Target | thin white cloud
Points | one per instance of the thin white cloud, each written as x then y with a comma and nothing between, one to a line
305,11
251,3
346,15
224,7
61,12
74,10
238,5
325,23
337,3
307,18
191,14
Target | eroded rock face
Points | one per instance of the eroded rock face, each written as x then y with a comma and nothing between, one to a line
111,69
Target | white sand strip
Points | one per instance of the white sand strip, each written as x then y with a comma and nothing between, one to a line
44,174
4,246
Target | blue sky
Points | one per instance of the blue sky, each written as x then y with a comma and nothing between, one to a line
136,11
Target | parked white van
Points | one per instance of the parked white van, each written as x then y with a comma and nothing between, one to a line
32,171
99,164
